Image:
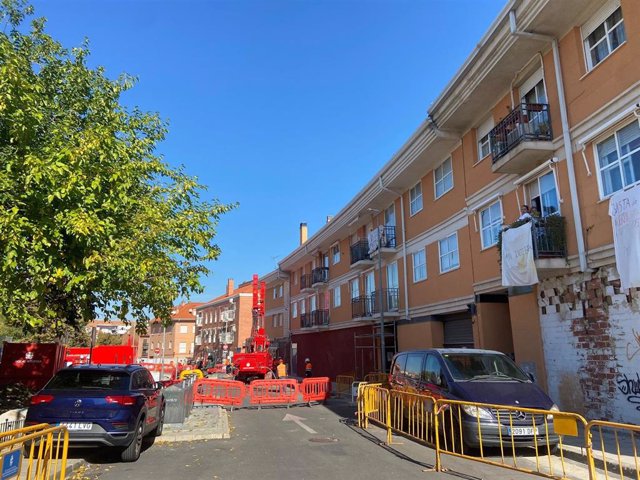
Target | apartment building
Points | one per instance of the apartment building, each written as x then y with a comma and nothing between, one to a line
223,324
175,342
276,315
545,112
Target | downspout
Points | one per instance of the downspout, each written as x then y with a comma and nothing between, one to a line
404,248
566,134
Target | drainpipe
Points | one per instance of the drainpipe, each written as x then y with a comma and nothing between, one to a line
566,134
404,248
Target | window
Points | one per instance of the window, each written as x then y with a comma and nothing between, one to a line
337,301
604,38
415,199
170,344
484,147
184,328
355,288
443,178
413,369
543,195
275,320
302,307
619,159
294,309
482,132
295,279
419,266
182,348
449,253
275,292
390,216
335,253
490,223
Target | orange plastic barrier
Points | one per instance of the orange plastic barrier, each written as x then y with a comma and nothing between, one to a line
213,391
263,392
315,389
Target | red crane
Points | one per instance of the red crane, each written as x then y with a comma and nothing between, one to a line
256,362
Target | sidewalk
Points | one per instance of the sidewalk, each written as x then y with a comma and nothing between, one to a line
204,423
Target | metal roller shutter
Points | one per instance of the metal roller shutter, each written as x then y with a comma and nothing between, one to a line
458,333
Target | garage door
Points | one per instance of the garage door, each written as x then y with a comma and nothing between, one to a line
458,333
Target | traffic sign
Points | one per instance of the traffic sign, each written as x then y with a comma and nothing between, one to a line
157,351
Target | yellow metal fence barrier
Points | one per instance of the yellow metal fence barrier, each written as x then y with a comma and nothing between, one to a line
523,439
343,384
615,448
376,377
43,447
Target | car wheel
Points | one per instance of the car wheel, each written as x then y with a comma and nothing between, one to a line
160,427
132,452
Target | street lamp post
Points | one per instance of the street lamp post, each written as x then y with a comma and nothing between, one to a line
164,336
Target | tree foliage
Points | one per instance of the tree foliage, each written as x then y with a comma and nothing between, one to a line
92,219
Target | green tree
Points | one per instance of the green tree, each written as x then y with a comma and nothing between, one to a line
92,219
105,338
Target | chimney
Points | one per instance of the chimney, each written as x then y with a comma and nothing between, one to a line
303,233
229,286
329,218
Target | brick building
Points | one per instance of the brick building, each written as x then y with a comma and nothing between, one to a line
177,340
544,112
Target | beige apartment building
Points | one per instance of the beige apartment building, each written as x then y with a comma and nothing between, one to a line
175,342
223,324
276,315
545,112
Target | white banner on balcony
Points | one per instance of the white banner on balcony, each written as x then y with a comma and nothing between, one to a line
518,265
373,237
624,209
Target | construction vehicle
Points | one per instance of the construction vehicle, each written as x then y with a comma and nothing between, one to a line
256,362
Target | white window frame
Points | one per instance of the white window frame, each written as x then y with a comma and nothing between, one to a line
415,197
443,178
483,131
493,223
449,252
417,267
182,348
618,163
303,306
355,292
335,253
600,20
184,328
294,309
337,297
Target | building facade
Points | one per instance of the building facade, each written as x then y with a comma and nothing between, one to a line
545,113
175,342
224,324
276,316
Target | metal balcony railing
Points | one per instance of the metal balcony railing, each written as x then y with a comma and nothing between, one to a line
360,251
369,305
549,237
527,122
319,275
316,318
305,320
306,280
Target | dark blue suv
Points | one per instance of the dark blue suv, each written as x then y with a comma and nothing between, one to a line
102,405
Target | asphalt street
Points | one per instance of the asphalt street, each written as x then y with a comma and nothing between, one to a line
305,443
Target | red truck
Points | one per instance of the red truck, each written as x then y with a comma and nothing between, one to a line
31,364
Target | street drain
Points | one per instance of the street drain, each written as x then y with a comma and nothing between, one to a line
323,440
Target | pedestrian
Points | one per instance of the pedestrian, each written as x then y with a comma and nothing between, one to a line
281,370
308,368
524,213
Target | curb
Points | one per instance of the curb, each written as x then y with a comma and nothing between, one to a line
579,454
222,432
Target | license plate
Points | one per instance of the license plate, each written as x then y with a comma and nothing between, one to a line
75,426
518,431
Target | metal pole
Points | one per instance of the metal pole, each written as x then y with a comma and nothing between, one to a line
164,336
383,362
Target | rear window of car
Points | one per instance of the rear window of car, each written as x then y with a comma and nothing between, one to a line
89,380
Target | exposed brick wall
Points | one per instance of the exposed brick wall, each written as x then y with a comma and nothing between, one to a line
588,327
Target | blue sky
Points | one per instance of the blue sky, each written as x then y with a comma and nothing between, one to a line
286,106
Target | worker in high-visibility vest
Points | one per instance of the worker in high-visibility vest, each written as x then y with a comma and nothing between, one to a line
281,369
307,368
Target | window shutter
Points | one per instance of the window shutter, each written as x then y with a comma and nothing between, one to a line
599,17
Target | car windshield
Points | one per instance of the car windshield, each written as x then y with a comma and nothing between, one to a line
478,366
89,380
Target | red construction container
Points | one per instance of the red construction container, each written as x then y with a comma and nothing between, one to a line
31,364
118,354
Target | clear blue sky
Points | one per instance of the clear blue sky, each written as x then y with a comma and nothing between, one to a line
286,106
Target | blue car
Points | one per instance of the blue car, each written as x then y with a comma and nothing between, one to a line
102,405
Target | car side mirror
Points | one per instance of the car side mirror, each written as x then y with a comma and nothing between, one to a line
531,377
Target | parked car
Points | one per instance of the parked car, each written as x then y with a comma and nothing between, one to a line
102,405
479,376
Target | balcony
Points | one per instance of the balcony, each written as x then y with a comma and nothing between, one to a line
549,240
522,140
366,307
319,277
228,316
360,257
387,236
198,340
306,282
317,318
226,337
